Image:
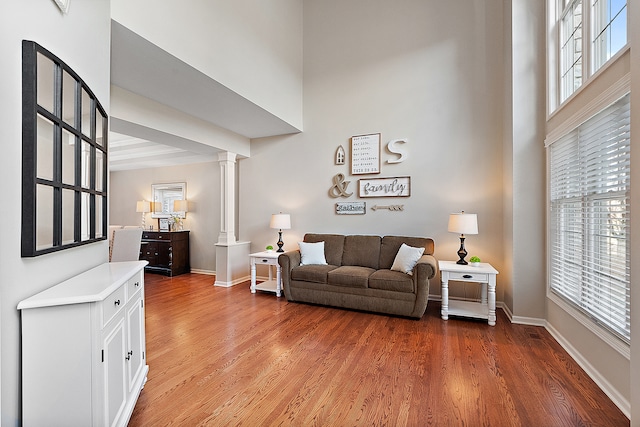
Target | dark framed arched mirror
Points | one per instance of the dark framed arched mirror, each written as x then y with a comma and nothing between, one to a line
64,156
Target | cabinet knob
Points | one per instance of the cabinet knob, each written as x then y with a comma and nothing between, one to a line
137,284
467,276
129,355
116,302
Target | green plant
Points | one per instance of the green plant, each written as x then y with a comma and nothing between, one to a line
474,259
269,248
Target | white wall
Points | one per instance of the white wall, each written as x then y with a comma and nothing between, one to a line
82,40
250,46
524,186
203,195
429,71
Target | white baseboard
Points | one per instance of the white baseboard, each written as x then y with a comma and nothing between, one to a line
232,283
520,320
207,272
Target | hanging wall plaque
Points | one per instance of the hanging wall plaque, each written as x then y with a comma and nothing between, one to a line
365,154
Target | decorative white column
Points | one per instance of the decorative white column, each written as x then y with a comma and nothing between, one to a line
227,198
232,257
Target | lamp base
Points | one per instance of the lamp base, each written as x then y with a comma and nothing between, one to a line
280,242
462,252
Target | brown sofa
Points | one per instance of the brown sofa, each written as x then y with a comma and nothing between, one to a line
358,274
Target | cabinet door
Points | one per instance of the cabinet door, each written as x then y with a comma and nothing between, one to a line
165,255
114,373
136,343
149,252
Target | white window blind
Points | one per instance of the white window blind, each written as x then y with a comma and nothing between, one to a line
589,218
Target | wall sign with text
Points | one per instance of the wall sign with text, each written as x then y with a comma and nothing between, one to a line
385,187
351,208
365,154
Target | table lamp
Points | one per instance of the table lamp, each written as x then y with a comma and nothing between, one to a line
180,208
281,222
143,206
464,224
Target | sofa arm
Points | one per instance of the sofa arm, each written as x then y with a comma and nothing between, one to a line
425,270
288,261
427,266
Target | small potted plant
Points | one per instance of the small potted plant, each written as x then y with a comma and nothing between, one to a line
474,261
269,248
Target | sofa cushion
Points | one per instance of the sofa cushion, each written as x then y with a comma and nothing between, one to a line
406,259
311,273
363,251
333,246
391,244
312,253
391,281
350,276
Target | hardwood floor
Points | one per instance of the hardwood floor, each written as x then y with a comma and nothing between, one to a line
225,357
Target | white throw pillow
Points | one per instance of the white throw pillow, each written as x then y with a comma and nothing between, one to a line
407,258
312,253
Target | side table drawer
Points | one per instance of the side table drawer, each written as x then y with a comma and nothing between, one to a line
479,277
269,261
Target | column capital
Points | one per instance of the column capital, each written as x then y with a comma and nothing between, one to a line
227,156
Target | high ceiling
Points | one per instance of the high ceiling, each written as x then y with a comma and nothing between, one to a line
143,68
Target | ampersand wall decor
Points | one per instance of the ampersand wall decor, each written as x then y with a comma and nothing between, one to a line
339,188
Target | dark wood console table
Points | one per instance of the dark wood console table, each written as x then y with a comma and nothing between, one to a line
166,251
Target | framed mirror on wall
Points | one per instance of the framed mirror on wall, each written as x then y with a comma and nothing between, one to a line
163,197
64,156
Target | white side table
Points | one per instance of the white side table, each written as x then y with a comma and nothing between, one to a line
267,258
485,275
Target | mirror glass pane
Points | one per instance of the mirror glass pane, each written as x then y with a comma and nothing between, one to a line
85,217
68,99
68,157
163,197
99,128
86,113
67,216
99,202
99,170
44,160
44,216
46,76
86,165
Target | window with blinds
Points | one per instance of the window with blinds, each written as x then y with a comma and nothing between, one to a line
589,218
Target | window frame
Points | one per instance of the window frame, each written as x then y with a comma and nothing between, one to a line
608,97
594,67
556,9
569,9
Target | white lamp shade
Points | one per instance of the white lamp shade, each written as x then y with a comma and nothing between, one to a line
143,206
180,206
463,223
281,221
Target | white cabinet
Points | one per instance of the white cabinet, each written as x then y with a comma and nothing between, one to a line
83,348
